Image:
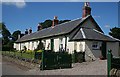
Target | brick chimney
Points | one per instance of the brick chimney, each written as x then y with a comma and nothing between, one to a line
86,9
55,21
30,30
39,27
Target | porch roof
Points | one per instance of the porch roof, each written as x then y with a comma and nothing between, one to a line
92,34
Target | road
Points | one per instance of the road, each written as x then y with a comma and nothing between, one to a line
98,67
11,68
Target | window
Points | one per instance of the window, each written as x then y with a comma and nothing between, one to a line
95,45
61,49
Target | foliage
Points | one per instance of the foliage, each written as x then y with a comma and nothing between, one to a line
19,54
5,34
115,32
0,26
39,51
15,35
29,51
48,23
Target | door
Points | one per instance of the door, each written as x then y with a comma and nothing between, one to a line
103,49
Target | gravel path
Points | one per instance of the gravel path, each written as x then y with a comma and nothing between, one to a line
98,67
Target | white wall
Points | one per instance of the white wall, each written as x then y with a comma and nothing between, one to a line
70,46
56,44
46,46
29,45
114,46
80,46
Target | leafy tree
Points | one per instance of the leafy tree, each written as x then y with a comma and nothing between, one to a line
48,23
15,35
115,32
5,34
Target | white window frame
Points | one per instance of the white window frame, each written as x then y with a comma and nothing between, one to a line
95,46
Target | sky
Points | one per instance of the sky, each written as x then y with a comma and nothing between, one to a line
23,15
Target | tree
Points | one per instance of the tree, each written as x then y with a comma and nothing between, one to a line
5,34
15,35
115,32
48,23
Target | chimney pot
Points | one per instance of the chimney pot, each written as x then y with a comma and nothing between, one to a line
30,30
55,17
39,27
86,9
26,32
55,21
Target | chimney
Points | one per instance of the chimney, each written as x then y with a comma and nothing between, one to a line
39,27
55,21
18,36
30,30
86,9
26,32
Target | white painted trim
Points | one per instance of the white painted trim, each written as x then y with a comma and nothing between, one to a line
98,31
83,34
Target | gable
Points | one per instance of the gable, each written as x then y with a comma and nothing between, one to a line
91,23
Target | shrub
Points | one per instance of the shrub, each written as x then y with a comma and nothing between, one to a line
29,51
39,51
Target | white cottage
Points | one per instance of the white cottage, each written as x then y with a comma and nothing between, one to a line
81,35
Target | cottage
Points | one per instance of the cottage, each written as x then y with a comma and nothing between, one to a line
80,35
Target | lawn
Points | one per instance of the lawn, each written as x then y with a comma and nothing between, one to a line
19,54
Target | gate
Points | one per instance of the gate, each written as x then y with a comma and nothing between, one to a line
113,63
55,60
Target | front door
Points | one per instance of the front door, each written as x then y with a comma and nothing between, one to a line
103,49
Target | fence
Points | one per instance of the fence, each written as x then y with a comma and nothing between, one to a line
55,60
112,62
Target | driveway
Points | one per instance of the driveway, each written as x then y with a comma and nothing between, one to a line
98,67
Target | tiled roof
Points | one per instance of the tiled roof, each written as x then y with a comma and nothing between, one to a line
91,34
57,30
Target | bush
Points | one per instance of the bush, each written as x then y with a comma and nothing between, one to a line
29,51
5,48
39,51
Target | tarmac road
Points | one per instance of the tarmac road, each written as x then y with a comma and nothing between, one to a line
98,67
11,69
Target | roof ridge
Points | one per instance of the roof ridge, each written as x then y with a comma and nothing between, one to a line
67,22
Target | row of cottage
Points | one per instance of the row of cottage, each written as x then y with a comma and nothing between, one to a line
81,35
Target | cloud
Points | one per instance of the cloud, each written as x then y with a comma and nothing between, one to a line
107,26
17,3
